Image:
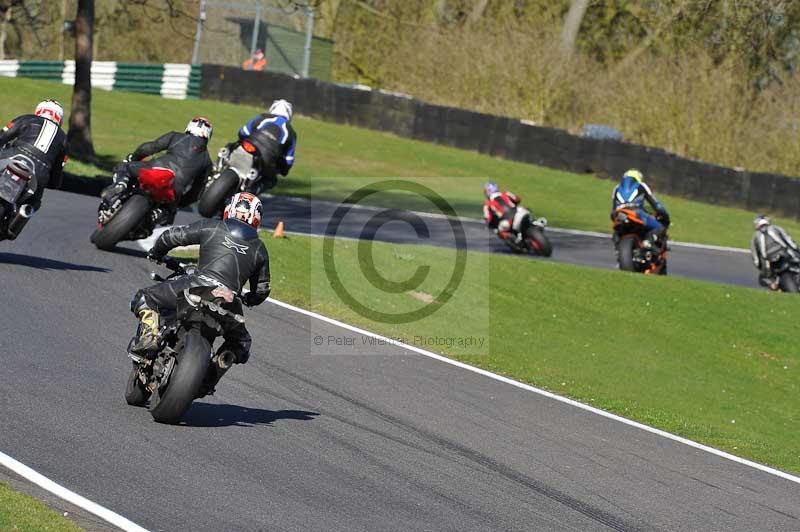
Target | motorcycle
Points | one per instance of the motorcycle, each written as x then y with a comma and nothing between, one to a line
787,271
134,213
237,170
17,185
527,234
634,252
184,366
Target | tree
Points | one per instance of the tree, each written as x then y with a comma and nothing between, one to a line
572,24
80,119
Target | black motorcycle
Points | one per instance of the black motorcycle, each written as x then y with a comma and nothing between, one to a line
17,185
183,367
238,169
787,271
134,213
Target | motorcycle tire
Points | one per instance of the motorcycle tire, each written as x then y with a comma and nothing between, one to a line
538,242
212,201
172,400
135,392
787,283
126,220
625,258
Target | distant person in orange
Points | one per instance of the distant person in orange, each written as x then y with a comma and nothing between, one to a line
256,62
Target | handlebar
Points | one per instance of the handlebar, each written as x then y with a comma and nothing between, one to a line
171,263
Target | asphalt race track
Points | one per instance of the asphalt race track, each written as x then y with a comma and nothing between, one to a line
376,439
313,217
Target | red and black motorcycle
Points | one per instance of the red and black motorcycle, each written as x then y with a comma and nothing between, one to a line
635,253
527,234
134,213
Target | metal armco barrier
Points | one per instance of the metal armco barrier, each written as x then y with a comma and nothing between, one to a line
507,138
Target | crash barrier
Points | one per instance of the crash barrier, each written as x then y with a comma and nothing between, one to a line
508,138
170,80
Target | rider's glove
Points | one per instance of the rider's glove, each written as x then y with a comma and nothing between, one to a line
128,158
250,299
154,257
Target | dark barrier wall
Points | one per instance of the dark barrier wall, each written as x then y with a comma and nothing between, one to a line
505,137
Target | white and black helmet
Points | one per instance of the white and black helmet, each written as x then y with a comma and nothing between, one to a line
281,108
762,220
199,127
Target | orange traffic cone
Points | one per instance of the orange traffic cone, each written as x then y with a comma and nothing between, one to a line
278,232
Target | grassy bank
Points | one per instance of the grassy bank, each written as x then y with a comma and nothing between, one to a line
685,356
334,160
23,513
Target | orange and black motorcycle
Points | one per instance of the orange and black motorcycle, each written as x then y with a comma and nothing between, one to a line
635,253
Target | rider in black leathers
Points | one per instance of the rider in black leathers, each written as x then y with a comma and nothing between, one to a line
186,155
40,139
231,254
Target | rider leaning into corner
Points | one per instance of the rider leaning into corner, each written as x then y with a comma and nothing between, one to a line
231,254
769,243
499,209
39,138
275,139
631,193
186,155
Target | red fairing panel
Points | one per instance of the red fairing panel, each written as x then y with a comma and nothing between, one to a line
158,182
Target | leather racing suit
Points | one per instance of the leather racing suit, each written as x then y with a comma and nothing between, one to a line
41,141
231,254
275,139
186,155
768,246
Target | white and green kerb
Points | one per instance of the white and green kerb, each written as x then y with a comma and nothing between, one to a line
170,80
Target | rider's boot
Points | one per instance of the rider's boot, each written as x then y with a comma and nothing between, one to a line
116,188
148,333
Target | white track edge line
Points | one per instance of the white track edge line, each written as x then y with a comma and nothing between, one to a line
69,496
545,393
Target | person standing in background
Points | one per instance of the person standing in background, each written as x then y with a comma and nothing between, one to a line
257,61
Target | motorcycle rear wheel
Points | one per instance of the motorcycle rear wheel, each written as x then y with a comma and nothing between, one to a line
213,199
126,220
625,250
170,402
539,242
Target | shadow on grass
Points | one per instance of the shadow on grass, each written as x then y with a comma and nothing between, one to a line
106,163
211,415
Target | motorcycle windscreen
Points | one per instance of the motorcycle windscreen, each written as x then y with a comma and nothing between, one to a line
159,183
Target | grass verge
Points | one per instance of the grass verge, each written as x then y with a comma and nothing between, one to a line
329,155
684,356
23,513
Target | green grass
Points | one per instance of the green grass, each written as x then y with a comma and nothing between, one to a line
23,513
712,363
330,155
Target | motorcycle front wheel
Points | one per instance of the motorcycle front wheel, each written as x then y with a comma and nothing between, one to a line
213,199
788,283
135,392
625,249
174,398
126,220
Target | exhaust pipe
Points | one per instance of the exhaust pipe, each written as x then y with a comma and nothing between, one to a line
226,359
17,223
